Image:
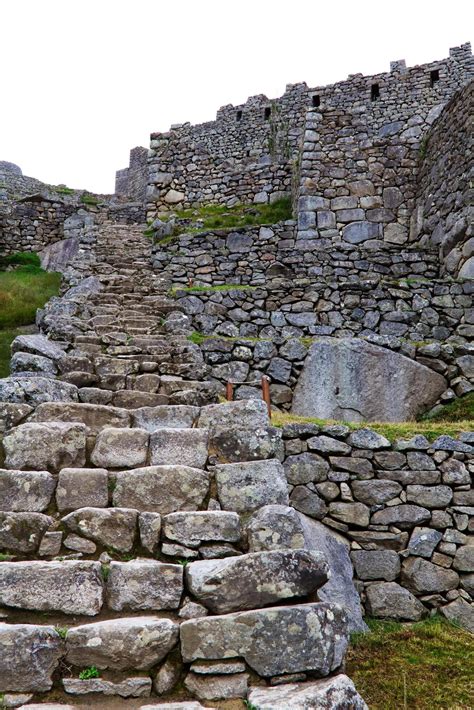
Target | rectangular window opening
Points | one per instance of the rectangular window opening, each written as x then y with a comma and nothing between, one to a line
316,101
434,77
374,92
268,113
239,116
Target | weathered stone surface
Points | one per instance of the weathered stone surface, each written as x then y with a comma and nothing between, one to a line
376,564
139,687
372,383
388,600
308,502
423,542
29,657
464,559
139,642
368,439
340,588
248,414
149,525
111,527
80,544
256,579
430,496
460,612
305,468
423,577
351,513
244,487
34,390
403,516
24,491
12,414
275,527
120,448
161,489
50,544
94,416
232,445
82,488
27,362
336,693
174,447
374,492
186,705
207,525
328,445
168,675
70,586
217,687
37,345
22,532
144,584
277,640
54,445
179,416
218,667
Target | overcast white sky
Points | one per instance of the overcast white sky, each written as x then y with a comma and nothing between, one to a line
83,82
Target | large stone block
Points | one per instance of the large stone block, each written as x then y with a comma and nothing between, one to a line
337,693
203,526
139,642
273,641
275,527
70,586
34,390
54,445
144,584
172,447
255,580
94,416
24,491
180,416
423,577
244,487
111,527
29,656
161,489
376,564
353,380
388,600
82,488
22,532
120,448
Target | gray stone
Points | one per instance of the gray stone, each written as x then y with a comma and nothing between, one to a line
328,445
419,461
244,487
218,687
308,502
358,232
27,362
179,416
209,525
304,468
161,489
376,564
356,465
95,416
368,439
455,473
256,579
388,600
235,445
25,491
460,612
275,527
34,390
423,577
70,586
30,655
45,446
37,345
139,687
336,693
120,448
423,542
276,640
374,492
50,544
143,584
79,544
22,532
464,559
371,382
139,642
351,513
167,676
186,447
218,667
244,414
403,516
111,527
430,497
149,525
82,488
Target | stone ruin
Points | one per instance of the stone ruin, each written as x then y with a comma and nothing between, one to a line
167,549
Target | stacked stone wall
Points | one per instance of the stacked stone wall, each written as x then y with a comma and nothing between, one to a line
131,182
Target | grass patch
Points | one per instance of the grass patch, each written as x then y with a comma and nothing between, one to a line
88,673
210,289
63,190
88,199
419,666
7,336
461,409
23,291
391,430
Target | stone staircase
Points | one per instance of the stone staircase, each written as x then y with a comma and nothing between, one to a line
149,556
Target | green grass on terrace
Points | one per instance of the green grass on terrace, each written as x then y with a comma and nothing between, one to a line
461,409
424,666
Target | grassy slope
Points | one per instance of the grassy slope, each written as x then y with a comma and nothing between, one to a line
413,666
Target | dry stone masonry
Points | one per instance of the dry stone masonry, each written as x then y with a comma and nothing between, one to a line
168,549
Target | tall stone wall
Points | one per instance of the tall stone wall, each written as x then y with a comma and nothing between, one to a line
131,182
443,214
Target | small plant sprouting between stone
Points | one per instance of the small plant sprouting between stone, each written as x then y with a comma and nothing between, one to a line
105,571
423,146
61,631
88,673
249,705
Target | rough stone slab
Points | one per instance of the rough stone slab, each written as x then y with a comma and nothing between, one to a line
376,564
461,612
305,468
223,687
70,586
374,492
139,642
249,414
430,496
37,344
27,362
111,527
207,525
403,516
464,559
12,414
120,448
149,525
179,416
388,600
161,489
144,584
351,513
22,532
336,693
285,639
244,487
82,488
372,383
275,527
406,478
25,491
217,667
423,541
423,577
35,390
233,445
94,416
256,579
54,445
29,657
139,687
186,705
174,447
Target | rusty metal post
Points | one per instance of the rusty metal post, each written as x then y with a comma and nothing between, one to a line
229,392
190,282
266,394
